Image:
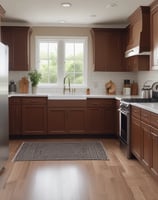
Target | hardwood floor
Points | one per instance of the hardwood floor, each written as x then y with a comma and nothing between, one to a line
115,179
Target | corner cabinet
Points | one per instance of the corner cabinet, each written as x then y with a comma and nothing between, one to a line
17,38
108,49
27,116
154,35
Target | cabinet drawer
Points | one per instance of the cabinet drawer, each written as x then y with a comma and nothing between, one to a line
15,100
101,103
154,120
66,103
145,116
154,132
135,112
34,100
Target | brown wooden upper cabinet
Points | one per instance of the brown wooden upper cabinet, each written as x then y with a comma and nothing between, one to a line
108,49
154,35
17,38
138,40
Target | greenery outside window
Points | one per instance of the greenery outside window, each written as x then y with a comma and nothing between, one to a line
57,57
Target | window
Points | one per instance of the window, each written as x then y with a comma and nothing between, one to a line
60,57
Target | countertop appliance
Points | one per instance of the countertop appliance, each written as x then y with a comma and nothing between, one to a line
124,120
147,90
4,135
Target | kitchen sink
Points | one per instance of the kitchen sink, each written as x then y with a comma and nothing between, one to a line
67,97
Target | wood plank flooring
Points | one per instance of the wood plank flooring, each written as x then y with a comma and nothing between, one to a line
115,179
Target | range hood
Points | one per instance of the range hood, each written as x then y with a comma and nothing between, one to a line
135,52
138,33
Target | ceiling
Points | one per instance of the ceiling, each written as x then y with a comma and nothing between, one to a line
81,12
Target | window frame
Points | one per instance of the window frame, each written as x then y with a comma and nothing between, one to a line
61,40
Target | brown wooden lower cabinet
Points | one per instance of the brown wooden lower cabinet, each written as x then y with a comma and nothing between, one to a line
15,118
40,116
144,139
66,116
136,142
34,116
27,116
101,116
154,165
147,145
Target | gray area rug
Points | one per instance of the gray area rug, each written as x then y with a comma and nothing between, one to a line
41,151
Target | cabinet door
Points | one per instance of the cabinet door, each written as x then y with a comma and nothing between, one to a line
95,120
21,60
76,120
17,38
154,37
56,120
108,45
136,138
154,167
137,63
8,39
15,116
34,120
147,145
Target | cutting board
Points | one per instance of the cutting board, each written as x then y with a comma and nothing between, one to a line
24,85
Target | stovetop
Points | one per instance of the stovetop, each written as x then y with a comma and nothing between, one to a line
140,100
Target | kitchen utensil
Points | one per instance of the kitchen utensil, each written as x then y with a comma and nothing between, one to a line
147,89
155,90
12,87
24,85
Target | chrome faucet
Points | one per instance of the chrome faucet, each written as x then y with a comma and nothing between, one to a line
69,88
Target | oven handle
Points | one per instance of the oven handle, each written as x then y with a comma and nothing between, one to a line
123,112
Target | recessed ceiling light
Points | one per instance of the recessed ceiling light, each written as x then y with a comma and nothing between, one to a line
111,5
66,4
93,15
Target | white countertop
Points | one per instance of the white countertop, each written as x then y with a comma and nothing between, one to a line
152,107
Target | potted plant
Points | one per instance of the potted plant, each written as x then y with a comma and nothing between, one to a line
35,77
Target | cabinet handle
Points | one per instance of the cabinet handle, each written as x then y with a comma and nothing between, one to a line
154,134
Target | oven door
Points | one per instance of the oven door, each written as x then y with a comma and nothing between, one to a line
124,132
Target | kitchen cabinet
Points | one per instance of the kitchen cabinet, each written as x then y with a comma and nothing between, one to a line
154,165
34,115
101,116
154,35
17,38
136,134
15,116
138,32
154,134
108,49
66,116
117,118
144,138
137,63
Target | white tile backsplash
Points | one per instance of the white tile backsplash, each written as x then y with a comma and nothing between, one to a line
146,75
95,81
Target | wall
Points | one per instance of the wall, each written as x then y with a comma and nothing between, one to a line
152,76
95,80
